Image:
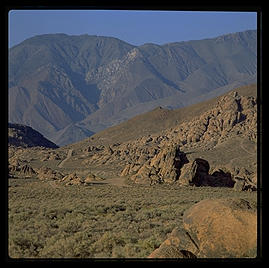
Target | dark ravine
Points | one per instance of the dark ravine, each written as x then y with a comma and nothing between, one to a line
60,84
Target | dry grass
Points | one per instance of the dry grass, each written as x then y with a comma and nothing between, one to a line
98,220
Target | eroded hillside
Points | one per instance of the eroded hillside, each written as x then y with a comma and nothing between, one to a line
222,131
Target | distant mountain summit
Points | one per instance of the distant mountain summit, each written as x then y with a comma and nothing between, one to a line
25,136
61,84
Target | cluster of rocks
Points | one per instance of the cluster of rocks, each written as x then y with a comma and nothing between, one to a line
160,158
50,156
157,158
136,152
232,115
46,173
164,167
74,179
21,170
172,166
213,228
197,174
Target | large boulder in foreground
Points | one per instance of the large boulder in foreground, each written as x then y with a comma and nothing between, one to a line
214,228
223,228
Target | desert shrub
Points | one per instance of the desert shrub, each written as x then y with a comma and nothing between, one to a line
24,244
98,220
150,244
64,247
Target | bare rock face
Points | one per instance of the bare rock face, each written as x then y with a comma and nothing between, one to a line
185,176
199,176
164,167
213,228
199,171
231,115
51,156
223,228
169,161
155,158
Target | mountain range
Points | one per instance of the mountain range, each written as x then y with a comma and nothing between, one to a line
70,87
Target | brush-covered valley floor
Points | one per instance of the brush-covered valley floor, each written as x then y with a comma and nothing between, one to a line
100,220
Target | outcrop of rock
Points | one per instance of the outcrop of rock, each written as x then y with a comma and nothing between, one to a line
153,158
92,178
21,170
164,167
51,156
223,228
242,184
45,173
72,179
213,228
199,175
232,115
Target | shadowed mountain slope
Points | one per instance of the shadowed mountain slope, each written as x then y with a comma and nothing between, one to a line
25,136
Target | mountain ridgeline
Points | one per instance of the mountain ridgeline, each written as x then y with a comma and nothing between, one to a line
64,85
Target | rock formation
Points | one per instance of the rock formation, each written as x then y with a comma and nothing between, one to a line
213,228
72,179
177,245
155,158
232,115
92,178
164,167
45,173
19,170
201,177
197,174
223,132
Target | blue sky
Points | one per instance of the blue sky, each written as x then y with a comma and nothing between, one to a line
134,27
